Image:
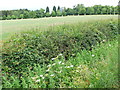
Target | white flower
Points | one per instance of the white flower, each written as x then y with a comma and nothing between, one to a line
93,55
62,63
38,80
71,66
60,54
104,40
34,77
41,75
53,58
52,75
77,71
67,67
47,70
60,71
59,62
80,66
53,64
49,65
110,45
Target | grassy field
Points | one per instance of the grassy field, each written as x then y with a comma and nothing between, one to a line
10,27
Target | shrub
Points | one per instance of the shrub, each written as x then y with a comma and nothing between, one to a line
27,48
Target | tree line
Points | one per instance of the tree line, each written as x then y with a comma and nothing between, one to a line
78,9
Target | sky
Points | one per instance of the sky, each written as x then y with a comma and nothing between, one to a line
37,4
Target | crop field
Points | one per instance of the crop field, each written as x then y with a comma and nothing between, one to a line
10,27
60,52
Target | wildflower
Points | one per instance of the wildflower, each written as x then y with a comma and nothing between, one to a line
77,71
52,75
47,70
53,58
67,67
53,64
110,45
49,65
41,75
93,55
71,66
59,62
38,80
62,63
104,40
60,71
34,77
80,66
60,54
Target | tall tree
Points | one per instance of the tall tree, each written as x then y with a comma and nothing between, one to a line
70,11
42,12
13,17
104,11
26,14
32,14
58,8
8,17
47,9
90,10
54,9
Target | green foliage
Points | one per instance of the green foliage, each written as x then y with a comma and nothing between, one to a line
21,16
79,9
58,8
47,10
8,17
4,17
35,47
53,14
54,9
59,13
64,13
83,11
47,14
90,10
90,69
70,11
26,15
104,10
13,17
32,14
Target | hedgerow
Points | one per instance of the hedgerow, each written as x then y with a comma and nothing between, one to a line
34,47
89,69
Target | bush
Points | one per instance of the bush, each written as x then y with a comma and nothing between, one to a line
90,69
27,48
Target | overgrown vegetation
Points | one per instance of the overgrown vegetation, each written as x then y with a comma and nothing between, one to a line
89,69
63,56
39,47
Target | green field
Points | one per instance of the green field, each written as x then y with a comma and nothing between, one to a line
10,27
